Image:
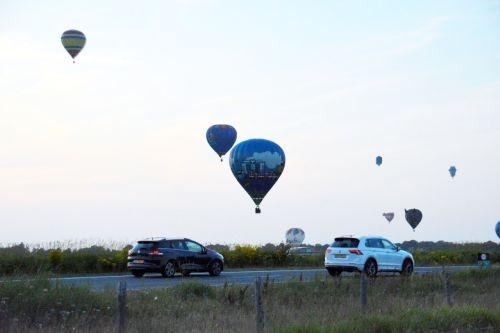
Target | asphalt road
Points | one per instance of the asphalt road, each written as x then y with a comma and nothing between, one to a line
99,283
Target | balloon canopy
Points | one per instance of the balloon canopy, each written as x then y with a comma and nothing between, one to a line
257,164
378,160
413,217
497,229
221,138
73,41
295,236
452,171
388,216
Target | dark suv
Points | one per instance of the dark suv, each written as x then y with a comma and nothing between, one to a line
170,255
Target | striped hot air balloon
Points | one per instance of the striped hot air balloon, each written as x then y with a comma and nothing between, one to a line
73,41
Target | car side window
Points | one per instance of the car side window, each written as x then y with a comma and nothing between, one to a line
177,244
374,243
165,245
193,247
388,245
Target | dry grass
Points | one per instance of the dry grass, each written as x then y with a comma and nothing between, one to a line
395,305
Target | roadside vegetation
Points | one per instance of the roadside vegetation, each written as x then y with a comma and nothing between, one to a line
20,259
395,304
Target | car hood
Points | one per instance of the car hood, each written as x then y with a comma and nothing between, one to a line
214,253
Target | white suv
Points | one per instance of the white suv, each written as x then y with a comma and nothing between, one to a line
369,254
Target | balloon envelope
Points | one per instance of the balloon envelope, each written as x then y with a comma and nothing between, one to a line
452,171
257,164
388,216
73,41
295,236
221,138
413,217
378,160
497,229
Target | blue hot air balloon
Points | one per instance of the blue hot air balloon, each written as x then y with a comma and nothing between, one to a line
378,160
221,138
497,229
413,217
452,171
73,41
257,164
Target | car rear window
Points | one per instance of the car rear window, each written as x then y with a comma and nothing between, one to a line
144,245
346,242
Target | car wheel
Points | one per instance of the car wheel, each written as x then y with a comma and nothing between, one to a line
185,273
138,274
371,268
169,270
407,268
215,268
334,271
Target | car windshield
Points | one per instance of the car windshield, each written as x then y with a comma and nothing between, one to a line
346,242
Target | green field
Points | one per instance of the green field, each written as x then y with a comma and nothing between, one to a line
395,304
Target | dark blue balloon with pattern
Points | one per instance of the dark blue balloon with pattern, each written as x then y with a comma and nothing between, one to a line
497,229
221,138
257,164
378,160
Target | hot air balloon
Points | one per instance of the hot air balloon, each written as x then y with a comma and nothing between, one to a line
73,41
257,164
388,216
497,229
295,236
413,216
378,160
221,138
452,171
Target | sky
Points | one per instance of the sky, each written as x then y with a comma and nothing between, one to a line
113,147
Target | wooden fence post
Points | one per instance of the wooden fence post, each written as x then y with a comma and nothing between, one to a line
447,288
362,290
122,306
259,311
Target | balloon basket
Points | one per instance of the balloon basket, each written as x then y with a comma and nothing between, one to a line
257,210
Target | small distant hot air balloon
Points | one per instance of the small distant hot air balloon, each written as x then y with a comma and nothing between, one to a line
413,217
295,236
497,229
257,164
73,41
221,138
378,160
452,171
388,216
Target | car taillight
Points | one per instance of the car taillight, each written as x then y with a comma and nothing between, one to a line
356,252
328,251
156,252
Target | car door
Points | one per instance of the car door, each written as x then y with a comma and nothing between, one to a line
394,257
376,249
197,255
180,252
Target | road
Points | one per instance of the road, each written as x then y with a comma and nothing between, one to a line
149,281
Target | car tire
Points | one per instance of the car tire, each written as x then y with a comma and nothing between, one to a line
169,269
407,267
334,271
185,273
138,274
215,268
371,268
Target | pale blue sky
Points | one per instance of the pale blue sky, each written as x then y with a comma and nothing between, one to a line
113,147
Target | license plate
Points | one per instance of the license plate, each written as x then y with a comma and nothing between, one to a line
138,261
341,256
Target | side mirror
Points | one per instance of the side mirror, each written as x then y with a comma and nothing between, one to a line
397,249
204,250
